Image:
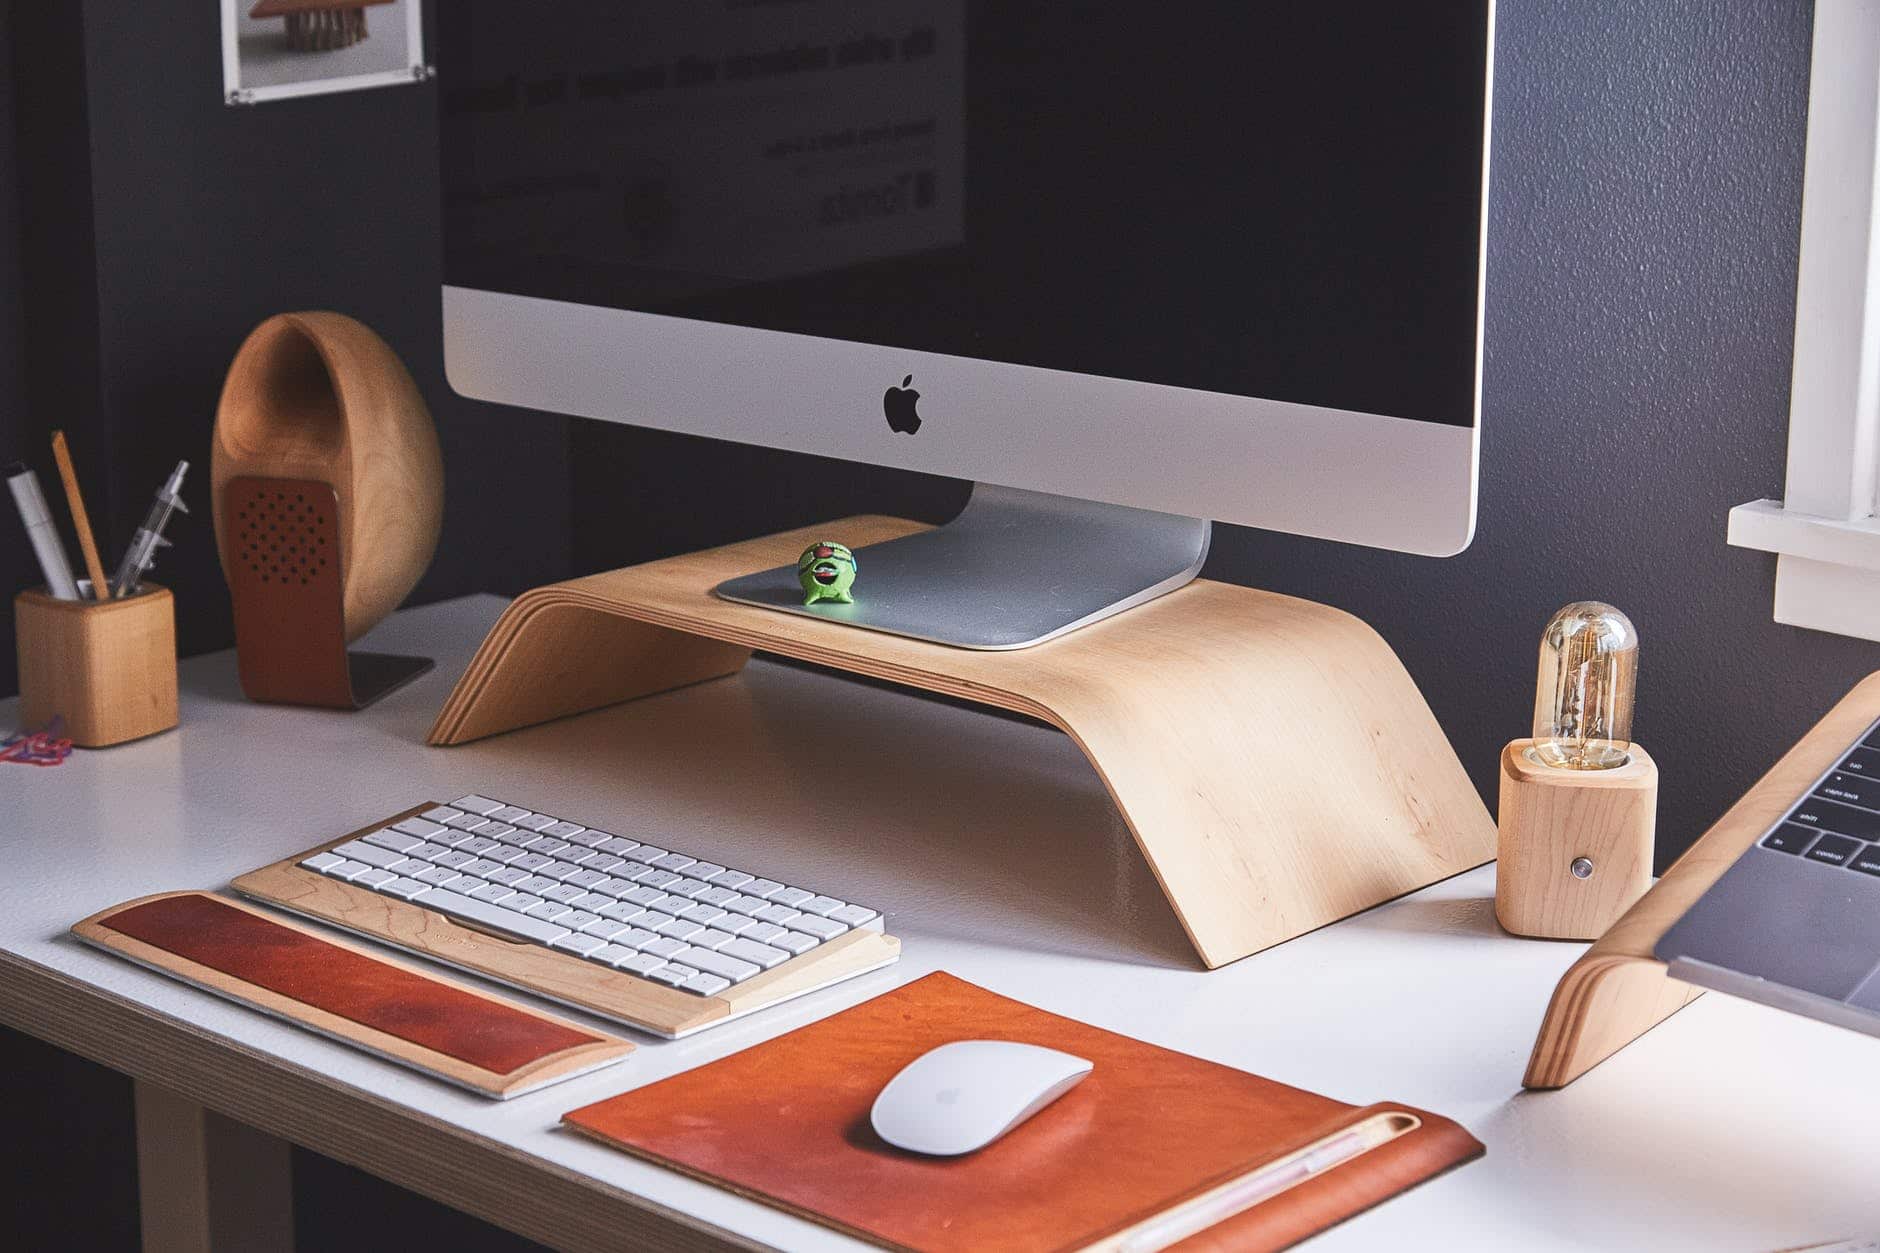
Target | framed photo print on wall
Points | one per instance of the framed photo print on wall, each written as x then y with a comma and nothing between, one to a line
277,49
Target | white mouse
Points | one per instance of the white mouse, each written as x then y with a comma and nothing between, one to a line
962,1096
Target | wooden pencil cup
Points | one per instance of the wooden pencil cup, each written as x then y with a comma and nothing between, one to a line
1575,846
108,668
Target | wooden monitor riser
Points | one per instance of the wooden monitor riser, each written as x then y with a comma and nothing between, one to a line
1617,990
1272,757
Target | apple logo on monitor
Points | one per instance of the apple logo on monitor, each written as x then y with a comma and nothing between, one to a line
899,404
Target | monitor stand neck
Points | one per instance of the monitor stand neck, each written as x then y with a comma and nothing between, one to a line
1014,569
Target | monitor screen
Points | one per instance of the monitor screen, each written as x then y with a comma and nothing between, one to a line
1268,200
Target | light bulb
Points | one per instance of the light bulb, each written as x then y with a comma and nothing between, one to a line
1583,696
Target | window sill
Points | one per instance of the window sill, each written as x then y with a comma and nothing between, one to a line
1827,569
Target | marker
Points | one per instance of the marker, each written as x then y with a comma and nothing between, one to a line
39,529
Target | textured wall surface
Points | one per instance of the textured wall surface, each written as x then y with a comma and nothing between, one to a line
1643,226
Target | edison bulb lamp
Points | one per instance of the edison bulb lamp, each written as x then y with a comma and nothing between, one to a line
1584,693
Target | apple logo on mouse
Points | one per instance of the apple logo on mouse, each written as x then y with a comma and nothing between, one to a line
899,404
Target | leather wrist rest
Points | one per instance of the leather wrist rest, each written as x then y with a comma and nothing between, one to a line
251,951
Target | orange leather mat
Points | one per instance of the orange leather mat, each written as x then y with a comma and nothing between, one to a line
787,1122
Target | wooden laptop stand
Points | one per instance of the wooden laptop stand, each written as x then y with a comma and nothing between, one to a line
1274,760
1618,991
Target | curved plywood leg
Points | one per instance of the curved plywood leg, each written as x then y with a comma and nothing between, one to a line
1618,991
1276,763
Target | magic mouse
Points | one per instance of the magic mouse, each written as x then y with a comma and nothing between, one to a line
963,1096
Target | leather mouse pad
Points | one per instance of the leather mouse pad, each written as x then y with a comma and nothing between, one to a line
787,1122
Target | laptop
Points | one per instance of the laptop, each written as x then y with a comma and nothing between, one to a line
1795,922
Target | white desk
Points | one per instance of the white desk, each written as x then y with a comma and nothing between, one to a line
992,848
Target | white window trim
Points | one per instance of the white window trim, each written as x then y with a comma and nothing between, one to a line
1824,530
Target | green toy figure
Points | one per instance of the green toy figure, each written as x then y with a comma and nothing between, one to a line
827,572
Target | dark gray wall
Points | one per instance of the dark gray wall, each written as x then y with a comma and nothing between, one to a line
1643,226
162,225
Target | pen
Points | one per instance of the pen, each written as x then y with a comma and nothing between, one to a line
39,529
81,521
1269,1181
142,553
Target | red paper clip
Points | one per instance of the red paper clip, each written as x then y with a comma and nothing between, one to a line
45,747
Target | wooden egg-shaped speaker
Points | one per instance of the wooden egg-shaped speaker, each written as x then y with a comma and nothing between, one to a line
328,497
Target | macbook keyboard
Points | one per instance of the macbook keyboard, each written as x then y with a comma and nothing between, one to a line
1838,823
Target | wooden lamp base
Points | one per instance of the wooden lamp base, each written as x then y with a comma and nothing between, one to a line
1275,762
1575,845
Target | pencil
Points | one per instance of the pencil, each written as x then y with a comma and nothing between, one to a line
81,522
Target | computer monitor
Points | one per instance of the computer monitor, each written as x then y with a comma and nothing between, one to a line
1128,267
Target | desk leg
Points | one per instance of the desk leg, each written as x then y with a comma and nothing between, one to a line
208,1184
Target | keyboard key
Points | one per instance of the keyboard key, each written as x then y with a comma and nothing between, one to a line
508,854
642,963
481,868
440,813
522,902
665,946
1833,849
796,942
586,838
593,902
733,879
746,904
674,905
763,932
436,875
536,883
463,822
637,938
1851,789
581,944
323,861
778,914
508,876
821,928
428,852
679,928
564,892
713,938
606,863
642,896
578,920
395,840
548,910
732,968
624,911
532,862
371,855
674,861
347,869
481,806
1789,838
495,917
611,954
1830,815
493,830
509,813
404,889
618,845
737,924
671,974
548,846
821,906
716,896
560,871
534,822
454,859
688,887
614,887
1864,760
659,879
605,928
516,838
373,878
586,878
706,985
759,954
792,897
491,892
648,853
706,914
763,889
562,830
423,828
854,915
477,846
704,870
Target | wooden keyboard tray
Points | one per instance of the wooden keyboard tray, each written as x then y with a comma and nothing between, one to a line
1617,991
1274,760
561,977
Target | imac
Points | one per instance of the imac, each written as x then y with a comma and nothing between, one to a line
1129,268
